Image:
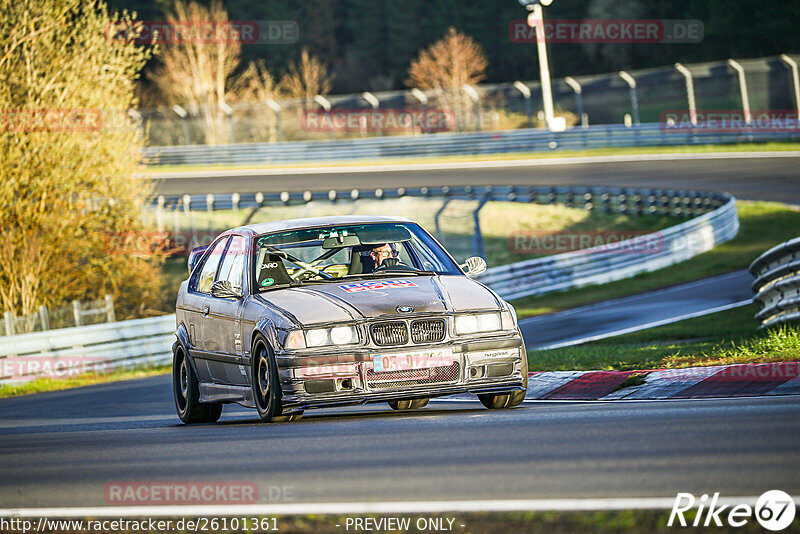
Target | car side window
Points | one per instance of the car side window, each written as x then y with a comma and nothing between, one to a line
209,270
233,263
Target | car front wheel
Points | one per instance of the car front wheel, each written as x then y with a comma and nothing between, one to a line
266,386
187,394
509,400
408,404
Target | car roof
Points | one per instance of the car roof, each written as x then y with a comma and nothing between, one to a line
313,222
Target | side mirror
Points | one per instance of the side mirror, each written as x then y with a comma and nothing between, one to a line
223,289
194,257
474,266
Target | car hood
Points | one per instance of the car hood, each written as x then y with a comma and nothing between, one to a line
348,300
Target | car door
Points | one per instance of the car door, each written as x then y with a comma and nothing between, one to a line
196,306
222,327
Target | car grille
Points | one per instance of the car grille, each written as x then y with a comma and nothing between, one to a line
391,333
412,377
427,331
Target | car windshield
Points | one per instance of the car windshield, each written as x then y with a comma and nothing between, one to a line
358,250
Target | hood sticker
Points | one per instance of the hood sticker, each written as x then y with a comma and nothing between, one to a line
372,286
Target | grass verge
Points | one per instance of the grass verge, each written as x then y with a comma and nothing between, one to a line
686,149
52,384
723,338
763,225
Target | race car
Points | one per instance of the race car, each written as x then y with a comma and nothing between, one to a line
291,315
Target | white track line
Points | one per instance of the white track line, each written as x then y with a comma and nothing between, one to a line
481,164
645,326
352,508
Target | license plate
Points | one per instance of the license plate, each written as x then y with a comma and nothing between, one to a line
427,359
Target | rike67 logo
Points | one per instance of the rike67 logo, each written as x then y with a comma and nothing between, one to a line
774,510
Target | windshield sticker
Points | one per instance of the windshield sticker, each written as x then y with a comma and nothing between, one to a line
268,282
372,286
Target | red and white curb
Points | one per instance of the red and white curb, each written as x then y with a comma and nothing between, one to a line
740,380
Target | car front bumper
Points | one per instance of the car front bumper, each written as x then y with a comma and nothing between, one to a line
345,377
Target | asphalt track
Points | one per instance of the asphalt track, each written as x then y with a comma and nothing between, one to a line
63,448
763,176
638,312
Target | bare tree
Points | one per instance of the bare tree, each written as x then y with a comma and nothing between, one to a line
447,66
197,73
307,79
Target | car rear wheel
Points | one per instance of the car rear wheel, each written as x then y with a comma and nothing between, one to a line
187,394
509,400
266,386
408,404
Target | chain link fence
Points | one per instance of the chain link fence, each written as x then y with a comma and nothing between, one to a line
602,99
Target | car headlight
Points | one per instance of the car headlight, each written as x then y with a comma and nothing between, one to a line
321,337
507,320
344,335
295,340
479,322
317,337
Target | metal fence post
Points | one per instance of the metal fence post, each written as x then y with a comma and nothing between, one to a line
9,320
112,318
76,312
477,238
437,230
44,317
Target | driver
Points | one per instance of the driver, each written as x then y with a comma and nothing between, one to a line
384,254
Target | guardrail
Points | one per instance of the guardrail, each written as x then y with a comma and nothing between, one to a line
100,348
605,264
777,284
713,220
448,144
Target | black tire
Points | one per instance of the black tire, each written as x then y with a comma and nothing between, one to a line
186,392
509,400
408,404
266,385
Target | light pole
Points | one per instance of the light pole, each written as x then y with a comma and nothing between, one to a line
229,112
373,101
423,100
473,95
526,93
634,99
743,88
536,19
326,105
180,112
795,79
578,88
276,108
689,92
